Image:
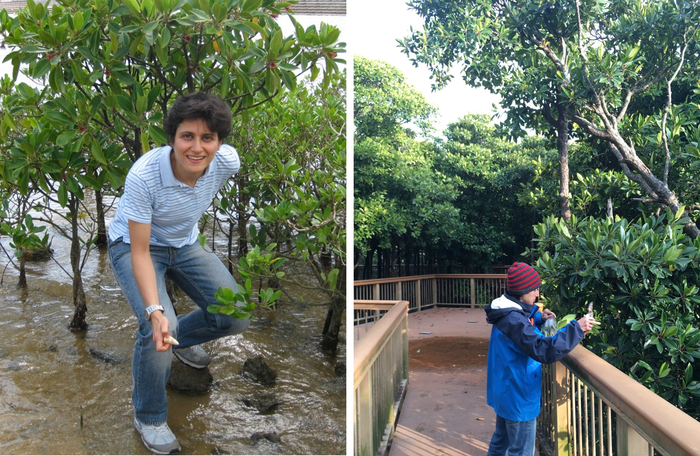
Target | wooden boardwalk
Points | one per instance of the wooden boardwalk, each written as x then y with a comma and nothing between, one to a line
445,411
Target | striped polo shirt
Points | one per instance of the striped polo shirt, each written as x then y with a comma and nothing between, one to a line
153,195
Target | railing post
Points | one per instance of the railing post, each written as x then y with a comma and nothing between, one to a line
560,403
375,295
629,442
473,294
363,418
418,300
398,290
434,291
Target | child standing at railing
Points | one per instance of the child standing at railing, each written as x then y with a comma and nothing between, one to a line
517,349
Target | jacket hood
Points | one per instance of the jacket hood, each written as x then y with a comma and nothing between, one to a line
504,305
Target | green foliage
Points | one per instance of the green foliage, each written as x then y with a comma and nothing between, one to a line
527,50
453,198
107,72
612,67
25,235
684,140
399,193
486,170
484,40
241,303
295,186
400,198
642,278
384,103
591,186
293,179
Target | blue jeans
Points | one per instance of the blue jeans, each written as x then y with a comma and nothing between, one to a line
199,274
516,437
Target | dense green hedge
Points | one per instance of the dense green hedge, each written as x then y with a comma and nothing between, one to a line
642,278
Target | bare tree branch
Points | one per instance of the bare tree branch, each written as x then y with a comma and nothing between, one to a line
667,107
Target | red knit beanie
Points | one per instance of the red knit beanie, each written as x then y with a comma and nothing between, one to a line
522,279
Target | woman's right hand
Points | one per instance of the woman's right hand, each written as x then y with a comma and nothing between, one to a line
161,330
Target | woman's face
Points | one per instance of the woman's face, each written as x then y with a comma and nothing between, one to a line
194,148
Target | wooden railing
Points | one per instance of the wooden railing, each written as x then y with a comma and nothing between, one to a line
469,290
591,408
380,376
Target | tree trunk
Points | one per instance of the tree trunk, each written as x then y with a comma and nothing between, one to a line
562,126
101,224
229,251
331,328
367,273
563,149
336,310
243,217
213,228
407,255
623,148
22,283
78,323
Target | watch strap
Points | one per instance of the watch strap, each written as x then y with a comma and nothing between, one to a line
150,309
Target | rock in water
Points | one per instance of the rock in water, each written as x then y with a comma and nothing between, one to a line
187,380
258,370
270,436
263,401
104,356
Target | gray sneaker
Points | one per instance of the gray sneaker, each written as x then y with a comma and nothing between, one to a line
159,439
193,356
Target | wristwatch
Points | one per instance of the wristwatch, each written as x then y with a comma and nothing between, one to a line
150,309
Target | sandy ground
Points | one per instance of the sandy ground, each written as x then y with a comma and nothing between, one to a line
445,411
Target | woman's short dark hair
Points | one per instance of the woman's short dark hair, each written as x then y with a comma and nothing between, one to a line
199,105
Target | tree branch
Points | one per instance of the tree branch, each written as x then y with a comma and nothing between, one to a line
631,174
540,43
583,53
667,107
591,128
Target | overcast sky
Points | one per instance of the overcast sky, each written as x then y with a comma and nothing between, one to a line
374,27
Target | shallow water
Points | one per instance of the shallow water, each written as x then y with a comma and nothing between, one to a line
57,398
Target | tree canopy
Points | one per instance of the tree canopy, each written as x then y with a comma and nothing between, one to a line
610,67
437,204
104,75
399,196
385,102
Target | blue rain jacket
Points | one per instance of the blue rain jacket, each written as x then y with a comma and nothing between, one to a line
517,349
